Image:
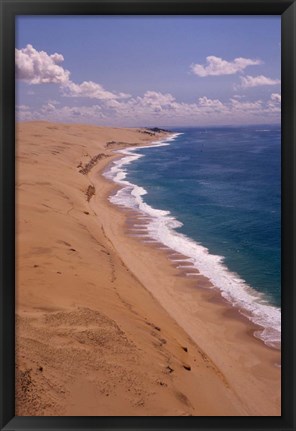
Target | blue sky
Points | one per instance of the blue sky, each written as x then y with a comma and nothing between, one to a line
152,70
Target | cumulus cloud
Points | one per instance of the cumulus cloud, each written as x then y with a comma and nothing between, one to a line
274,104
250,107
275,97
157,101
161,109
256,81
217,66
54,102
153,107
212,104
91,90
51,112
37,67
156,96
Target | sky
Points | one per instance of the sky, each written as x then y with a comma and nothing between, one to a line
149,70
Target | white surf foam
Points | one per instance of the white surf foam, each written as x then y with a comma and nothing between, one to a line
161,227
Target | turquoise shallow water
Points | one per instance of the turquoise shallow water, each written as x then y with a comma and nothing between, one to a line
215,194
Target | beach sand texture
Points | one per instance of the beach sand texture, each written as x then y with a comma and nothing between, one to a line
105,323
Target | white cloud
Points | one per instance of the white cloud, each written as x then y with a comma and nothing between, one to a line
274,104
156,108
27,115
152,97
152,103
22,107
256,81
217,66
37,67
239,96
153,107
242,107
48,111
54,102
91,90
156,101
275,97
212,104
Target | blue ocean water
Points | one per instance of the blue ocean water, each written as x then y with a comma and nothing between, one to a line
219,189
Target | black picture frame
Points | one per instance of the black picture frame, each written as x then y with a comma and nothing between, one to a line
9,9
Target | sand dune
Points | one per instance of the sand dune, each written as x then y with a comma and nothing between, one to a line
105,324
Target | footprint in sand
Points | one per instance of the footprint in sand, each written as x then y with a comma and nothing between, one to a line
169,369
153,326
64,242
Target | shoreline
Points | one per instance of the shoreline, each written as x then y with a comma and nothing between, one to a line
116,344
201,283
183,259
213,302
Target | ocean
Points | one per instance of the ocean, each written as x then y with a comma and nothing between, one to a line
214,195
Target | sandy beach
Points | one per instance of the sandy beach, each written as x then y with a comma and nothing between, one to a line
106,324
